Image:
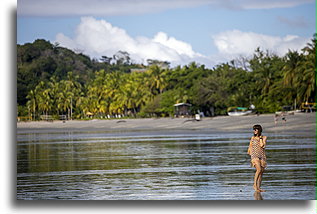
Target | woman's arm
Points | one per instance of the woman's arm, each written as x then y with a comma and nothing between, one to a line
263,141
249,149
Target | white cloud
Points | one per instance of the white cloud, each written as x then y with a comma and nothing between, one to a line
128,7
97,38
179,46
234,43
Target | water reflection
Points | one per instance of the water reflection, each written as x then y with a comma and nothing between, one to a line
156,165
257,195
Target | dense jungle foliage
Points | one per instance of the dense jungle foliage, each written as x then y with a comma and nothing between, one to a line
52,80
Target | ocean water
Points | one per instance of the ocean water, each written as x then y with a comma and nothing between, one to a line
160,165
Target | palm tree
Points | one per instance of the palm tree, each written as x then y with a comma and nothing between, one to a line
73,89
290,69
133,93
292,75
44,101
157,79
32,102
308,71
54,86
47,104
109,90
61,98
266,69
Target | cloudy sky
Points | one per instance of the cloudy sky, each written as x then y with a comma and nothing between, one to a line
180,31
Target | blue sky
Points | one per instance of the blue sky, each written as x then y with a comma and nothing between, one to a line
206,31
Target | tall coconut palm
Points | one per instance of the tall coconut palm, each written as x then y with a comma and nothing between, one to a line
61,99
43,97
54,86
309,70
110,88
157,79
72,90
45,101
292,75
32,103
133,93
290,68
266,69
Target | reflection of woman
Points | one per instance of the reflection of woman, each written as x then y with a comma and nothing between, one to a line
258,158
257,195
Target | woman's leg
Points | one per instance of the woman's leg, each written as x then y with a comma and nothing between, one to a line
260,179
257,174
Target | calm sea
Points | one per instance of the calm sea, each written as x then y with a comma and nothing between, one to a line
160,165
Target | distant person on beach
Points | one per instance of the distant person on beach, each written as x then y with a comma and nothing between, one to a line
275,119
284,118
258,158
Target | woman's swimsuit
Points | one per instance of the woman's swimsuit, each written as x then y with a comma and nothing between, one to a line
257,153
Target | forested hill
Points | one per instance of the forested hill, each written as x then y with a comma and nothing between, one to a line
53,80
41,60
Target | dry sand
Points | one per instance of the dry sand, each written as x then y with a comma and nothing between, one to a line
300,122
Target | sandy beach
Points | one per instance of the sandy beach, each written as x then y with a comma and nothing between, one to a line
299,122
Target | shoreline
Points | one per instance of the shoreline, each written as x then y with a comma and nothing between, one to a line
299,122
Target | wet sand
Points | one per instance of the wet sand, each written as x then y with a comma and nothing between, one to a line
299,122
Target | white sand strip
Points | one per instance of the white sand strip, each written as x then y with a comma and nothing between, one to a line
299,122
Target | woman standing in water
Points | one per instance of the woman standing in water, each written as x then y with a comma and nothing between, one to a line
258,158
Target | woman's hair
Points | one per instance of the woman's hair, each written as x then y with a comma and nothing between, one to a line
259,128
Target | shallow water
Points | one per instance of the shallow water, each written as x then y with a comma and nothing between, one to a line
160,165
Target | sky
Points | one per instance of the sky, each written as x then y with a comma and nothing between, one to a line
179,31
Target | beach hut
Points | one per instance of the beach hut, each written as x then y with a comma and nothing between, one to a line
89,114
182,109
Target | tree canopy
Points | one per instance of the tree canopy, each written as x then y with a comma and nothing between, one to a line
53,80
